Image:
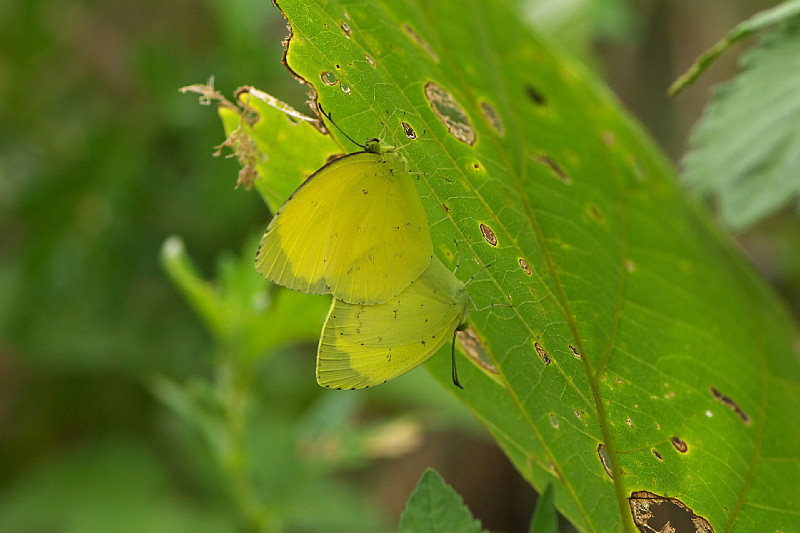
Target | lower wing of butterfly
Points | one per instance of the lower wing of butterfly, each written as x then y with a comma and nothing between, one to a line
355,229
366,345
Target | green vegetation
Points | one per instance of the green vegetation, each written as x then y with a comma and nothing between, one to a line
153,381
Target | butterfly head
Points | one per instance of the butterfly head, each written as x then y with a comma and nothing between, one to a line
376,146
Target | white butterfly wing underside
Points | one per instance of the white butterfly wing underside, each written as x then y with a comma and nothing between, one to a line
366,345
356,229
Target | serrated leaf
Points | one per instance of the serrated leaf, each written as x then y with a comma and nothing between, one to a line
632,348
435,506
746,151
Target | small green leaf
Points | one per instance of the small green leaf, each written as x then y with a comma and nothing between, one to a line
747,148
435,506
545,516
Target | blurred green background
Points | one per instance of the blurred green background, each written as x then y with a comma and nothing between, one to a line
101,159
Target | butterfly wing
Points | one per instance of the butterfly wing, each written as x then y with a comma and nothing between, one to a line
366,345
356,229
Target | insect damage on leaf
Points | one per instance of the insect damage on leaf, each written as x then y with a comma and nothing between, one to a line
605,459
679,444
652,512
727,400
489,234
450,113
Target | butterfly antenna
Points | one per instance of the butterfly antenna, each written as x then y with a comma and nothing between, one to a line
453,359
330,119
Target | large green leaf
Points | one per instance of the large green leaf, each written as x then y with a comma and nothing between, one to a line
633,349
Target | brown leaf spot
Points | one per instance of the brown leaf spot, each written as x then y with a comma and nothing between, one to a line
450,113
489,235
605,459
535,96
542,353
475,349
422,43
554,166
679,444
730,402
493,117
657,454
409,131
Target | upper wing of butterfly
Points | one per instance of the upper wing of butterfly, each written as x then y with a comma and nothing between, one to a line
356,228
366,345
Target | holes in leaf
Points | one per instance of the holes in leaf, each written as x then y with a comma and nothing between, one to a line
679,444
409,131
653,513
605,459
345,87
450,113
727,400
542,354
369,59
329,78
525,267
346,29
657,454
554,421
575,352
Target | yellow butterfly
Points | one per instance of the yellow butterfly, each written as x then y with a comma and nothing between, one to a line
356,228
366,345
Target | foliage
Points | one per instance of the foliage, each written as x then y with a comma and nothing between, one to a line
122,410
435,506
595,381
745,151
